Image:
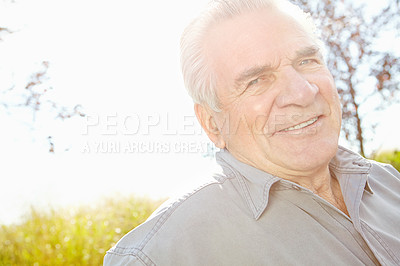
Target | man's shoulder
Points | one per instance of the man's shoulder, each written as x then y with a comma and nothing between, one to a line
382,174
185,214
385,167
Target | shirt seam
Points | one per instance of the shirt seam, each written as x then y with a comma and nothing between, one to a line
346,170
382,242
136,253
351,233
244,188
357,199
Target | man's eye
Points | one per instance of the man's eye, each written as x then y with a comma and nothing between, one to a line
253,82
307,61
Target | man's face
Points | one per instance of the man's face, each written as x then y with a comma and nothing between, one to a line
280,108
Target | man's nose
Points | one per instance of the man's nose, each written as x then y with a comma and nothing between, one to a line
295,89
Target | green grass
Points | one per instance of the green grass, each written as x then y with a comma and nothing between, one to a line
75,236
390,157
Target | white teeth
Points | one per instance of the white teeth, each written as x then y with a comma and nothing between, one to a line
304,124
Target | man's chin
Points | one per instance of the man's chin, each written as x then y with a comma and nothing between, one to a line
309,156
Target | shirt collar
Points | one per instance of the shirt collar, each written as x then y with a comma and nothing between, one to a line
347,162
352,171
255,184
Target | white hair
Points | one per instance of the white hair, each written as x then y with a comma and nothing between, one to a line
199,78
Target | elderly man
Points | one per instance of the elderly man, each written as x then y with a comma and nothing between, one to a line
288,194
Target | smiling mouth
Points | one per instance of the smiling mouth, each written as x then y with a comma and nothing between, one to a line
301,125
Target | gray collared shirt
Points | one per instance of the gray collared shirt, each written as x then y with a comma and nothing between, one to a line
249,217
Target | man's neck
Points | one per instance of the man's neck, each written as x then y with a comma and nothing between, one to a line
326,186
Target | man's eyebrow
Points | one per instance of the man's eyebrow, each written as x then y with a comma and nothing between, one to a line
308,51
252,72
257,70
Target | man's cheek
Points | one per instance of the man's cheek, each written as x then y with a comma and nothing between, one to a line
261,126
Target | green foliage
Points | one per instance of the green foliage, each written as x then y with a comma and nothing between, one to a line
71,236
391,157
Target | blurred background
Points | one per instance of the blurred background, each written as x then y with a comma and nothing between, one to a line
97,129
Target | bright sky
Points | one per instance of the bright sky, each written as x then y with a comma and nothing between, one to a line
120,60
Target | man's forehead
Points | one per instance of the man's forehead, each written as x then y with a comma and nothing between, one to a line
256,41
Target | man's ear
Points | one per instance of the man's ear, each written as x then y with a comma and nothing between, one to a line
208,123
